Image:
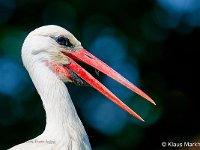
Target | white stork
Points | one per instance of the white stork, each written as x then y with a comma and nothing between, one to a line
50,54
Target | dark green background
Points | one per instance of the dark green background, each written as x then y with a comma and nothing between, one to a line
163,42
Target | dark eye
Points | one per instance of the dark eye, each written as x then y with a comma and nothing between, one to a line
63,41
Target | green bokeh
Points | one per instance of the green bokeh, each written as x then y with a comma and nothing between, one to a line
165,56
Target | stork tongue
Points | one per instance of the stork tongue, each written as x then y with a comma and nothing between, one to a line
86,57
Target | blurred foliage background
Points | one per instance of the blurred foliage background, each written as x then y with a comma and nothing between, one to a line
153,43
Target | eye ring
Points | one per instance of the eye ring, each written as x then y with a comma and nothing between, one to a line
61,40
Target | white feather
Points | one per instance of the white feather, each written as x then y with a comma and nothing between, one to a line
64,130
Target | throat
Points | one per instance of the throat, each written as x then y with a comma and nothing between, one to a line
61,117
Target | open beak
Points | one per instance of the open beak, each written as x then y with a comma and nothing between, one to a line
86,57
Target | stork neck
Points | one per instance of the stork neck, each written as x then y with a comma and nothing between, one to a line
61,116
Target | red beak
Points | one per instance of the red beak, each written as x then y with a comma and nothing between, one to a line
86,57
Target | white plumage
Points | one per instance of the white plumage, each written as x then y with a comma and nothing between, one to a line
49,55
63,126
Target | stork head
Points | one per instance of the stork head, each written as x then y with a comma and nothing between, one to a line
48,43
59,50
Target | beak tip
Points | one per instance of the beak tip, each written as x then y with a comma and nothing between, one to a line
136,116
151,100
142,120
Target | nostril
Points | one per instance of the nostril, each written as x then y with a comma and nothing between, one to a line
88,56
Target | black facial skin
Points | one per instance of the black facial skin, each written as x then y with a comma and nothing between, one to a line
76,79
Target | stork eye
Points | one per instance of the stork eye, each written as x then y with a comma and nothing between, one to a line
63,41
